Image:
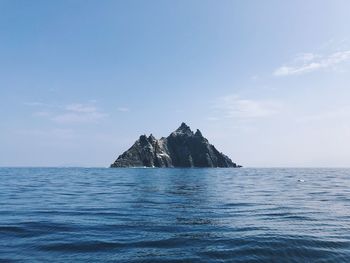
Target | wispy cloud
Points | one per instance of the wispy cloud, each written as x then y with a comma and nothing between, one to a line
78,113
56,133
80,108
233,106
71,113
123,109
37,104
42,113
309,62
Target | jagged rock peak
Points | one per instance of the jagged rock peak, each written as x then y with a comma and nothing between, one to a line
151,138
198,133
182,148
143,137
184,129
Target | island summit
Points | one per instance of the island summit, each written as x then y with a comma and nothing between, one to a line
182,148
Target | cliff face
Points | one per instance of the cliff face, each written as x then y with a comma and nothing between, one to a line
182,148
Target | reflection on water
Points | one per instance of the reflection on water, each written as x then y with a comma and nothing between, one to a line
174,215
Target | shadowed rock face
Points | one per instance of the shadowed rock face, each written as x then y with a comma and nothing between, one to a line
182,148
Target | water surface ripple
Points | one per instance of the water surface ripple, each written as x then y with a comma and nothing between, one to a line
174,215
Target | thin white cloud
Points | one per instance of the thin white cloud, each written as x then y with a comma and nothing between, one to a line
41,113
37,104
57,133
79,113
232,106
306,57
123,109
80,108
78,117
309,62
71,113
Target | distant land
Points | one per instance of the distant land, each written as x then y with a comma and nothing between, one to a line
182,148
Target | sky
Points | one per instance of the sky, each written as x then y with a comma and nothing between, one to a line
267,82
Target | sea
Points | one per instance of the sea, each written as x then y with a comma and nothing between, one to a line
174,215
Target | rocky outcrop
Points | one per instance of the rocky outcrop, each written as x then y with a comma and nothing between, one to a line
182,148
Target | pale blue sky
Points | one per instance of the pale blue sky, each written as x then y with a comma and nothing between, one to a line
267,82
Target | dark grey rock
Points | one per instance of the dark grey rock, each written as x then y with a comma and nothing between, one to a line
182,148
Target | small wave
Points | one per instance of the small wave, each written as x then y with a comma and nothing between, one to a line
5,260
29,229
81,246
95,246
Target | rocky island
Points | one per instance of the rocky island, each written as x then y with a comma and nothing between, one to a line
182,148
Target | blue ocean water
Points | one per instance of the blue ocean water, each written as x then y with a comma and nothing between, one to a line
174,215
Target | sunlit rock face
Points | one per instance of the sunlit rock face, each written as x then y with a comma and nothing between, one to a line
182,148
